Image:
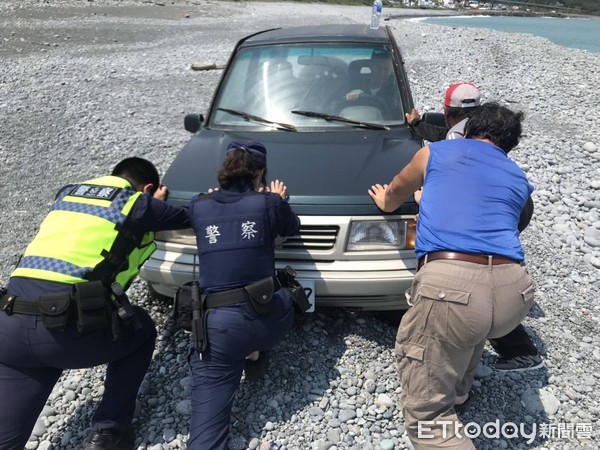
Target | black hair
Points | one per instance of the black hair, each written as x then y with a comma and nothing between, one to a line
139,172
458,114
497,123
239,166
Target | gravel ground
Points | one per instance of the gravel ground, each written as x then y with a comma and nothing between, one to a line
84,84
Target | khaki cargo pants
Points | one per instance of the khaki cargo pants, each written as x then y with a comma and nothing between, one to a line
456,306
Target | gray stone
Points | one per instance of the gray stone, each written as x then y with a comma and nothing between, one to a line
169,435
387,444
346,415
184,407
39,429
384,400
370,386
316,412
482,371
333,435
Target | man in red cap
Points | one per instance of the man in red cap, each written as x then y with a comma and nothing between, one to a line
460,101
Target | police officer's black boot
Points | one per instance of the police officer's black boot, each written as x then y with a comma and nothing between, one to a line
110,440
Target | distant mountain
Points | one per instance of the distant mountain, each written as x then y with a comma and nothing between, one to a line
584,6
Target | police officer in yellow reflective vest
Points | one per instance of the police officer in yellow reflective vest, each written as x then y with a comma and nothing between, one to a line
66,309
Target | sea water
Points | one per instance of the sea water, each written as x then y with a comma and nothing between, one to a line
580,33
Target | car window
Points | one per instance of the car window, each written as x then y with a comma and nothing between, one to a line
272,81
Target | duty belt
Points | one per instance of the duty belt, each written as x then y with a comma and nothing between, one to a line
226,298
11,304
232,296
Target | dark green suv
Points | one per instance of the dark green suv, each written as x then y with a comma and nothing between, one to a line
311,95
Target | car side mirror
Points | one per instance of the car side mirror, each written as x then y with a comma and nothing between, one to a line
434,118
193,122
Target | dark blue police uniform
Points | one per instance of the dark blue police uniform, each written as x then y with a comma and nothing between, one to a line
32,358
236,229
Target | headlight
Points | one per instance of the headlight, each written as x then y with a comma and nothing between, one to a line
381,235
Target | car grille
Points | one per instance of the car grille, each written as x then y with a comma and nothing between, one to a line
313,237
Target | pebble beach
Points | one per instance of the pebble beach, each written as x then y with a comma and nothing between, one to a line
84,84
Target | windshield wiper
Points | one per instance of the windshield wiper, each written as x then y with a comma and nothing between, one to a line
330,118
249,117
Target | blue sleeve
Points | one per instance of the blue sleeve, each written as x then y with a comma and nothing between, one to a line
152,214
284,221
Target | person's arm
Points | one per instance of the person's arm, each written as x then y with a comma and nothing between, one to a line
425,130
161,192
429,131
288,223
283,220
152,214
526,214
390,196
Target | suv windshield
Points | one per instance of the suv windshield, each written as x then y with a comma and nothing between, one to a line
354,82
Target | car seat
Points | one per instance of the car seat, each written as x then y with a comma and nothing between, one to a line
321,78
359,72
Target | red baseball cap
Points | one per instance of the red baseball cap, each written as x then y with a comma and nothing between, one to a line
462,95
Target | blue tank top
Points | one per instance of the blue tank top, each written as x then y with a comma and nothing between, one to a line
472,199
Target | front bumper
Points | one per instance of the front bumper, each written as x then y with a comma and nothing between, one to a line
375,285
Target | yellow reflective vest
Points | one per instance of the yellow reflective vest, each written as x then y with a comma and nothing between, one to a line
83,239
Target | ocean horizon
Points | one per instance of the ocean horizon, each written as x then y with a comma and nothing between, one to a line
578,33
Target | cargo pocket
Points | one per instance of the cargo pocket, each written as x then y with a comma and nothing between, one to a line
448,318
413,373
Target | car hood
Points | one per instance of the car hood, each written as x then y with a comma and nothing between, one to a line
325,172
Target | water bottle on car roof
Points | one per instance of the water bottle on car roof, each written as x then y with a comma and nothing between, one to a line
376,13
